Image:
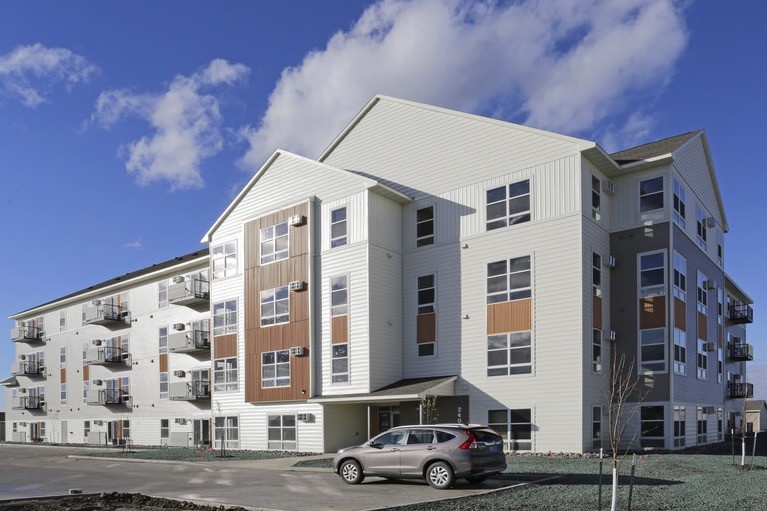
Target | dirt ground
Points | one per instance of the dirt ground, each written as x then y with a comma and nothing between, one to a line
106,502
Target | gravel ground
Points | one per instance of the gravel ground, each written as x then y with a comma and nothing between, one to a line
188,454
106,502
315,463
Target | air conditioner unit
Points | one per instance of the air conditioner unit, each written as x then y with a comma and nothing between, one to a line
608,186
41,368
297,351
22,357
124,398
296,285
608,335
609,261
125,356
124,314
180,373
22,391
95,302
178,326
178,279
98,382
710,346
97,342
303,416
709,285
180,421
296,220
41,401
710,222
98,423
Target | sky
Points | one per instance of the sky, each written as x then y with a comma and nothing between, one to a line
127,127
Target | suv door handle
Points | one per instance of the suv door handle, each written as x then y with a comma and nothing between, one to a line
431,447
395,449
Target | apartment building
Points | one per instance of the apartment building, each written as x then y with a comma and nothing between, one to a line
433,265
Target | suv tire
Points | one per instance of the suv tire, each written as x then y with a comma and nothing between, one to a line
351,472
440,475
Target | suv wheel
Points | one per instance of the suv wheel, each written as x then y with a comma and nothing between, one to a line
351,472
440,475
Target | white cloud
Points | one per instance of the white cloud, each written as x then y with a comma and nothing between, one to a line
186,122
563,65
27,73
134,244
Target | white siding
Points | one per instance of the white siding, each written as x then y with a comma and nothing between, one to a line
385,317
624,211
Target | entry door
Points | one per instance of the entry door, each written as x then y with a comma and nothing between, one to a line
202,432
64,432
113,433
388,417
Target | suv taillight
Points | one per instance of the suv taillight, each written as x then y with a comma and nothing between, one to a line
471,442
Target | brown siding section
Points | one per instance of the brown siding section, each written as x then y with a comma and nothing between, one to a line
680,314
652,312
63,375
225,346
514,316
278,337
426,327
702,326
340,329
596,312
163,362
86,372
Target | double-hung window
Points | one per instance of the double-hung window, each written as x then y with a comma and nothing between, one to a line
339,295
702,359
275,306
515,426
338,228
508,205
426,319
680,208
275,242
63,394
702,294
596,198
509,354
680,351
63,356
424,226
225,374
680,277
702,425
652,426
596,350
596,274
651,195
509,280
652,275
164,428
339,363
225,317
223,259
680,426
162,294
653,349
275,369
62,320
281,432
702,230
226,432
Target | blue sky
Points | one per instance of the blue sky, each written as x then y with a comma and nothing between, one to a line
126,127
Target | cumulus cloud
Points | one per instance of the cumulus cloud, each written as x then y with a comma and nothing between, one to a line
28,73
186,122
134,244
562,65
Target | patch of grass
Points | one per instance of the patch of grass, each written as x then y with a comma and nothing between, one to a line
189,454
315,463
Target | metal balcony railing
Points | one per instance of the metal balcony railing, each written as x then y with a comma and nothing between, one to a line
190,341
26,333
107,355
28,403
189,391
107,397
741,313
190,292
740,390
28,368
741,352
107,314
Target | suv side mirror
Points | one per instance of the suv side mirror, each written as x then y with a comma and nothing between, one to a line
376,445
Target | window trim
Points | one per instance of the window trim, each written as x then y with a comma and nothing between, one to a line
596,211
273,241
680,367
346,305
596,339
664,342
226,385
433,305
701,231
431,239
508,349
331,223
282,427
273,301
661,421
508,274
596,269
228,328
348,365
679,215
506,199
639,196
680,416
596,411
162,303
226,427
276,379
701,356
224,272
679,292
661,287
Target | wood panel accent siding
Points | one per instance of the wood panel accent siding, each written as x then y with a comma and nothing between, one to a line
426,327
652,312
163,362
63,375
225,346
297,332
514,316
340,329
596,312
680,314
86,372
702,331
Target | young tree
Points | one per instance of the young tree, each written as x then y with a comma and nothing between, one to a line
429,409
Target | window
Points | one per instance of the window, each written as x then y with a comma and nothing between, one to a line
596,198
652,275
82,314
508,205
720,305
275,306
62,320
596,350
702,294
596,427
225,317
702,425
339,295
338,228
63,356
420,436
226,432
719,424
509,354
424,226
426,306
391,438
720,365
163,339
275,369
509,280
163,385
86,429
680,425
652,426
126,428
596,274
701,225
86,388
515,426
680,209
282,433
720,249
223,259
275,242
680,351
86,346
162,294
653,349
225,374
702,359
680,277
164,428
63,394
340,363
651,194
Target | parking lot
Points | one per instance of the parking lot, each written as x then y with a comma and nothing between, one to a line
40,471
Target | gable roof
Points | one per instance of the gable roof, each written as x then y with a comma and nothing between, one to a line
369,183
653,149
757,405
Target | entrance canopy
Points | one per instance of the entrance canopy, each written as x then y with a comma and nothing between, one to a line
410,389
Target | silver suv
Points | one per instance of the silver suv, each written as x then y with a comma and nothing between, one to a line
440,453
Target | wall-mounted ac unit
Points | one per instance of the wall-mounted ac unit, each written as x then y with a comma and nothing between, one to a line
124,314
608,186
22,391
608,261
297,351
125,356
608,335
710,222
711,346
304,417
41,368
98,423
178,279
296,220
97,342
22,357
98,382
709,285
178,326
95,302
179,373
296,285
180,421
125,399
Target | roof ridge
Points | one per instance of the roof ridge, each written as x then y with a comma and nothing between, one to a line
692,132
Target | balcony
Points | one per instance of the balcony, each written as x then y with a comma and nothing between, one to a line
28,403
107,315
194,341
189,391
107,355
740,390
28,368
191,292
107,397
741,352
27,333
741,313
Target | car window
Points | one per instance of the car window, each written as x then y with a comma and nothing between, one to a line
444,437
486,435
391,438
420,436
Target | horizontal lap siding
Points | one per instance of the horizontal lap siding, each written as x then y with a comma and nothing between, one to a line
385,295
